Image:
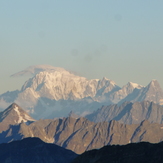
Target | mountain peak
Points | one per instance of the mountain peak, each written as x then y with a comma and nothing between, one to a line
155,84
154,81
134,85
14,114
108,79
13,106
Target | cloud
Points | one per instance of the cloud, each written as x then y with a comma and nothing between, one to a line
33,70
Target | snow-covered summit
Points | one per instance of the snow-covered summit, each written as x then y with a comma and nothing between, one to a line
56,84
124,91
134,85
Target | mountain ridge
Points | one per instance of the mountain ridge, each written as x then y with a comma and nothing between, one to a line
80,134
129,113
134,152
34,150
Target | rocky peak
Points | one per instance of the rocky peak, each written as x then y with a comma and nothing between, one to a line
153,92
14,114
106,82
73,115
154,84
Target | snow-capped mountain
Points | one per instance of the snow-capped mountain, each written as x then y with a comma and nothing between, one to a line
60,89
54,92
64,85
152,92
124,91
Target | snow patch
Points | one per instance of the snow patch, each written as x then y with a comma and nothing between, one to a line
135,85
21,118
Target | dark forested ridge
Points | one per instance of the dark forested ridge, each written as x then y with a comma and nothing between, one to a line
131,153
33,150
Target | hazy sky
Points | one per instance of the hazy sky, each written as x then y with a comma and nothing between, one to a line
122,40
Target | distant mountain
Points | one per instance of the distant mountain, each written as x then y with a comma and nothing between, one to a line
152,92
54,92
64,85
33,150
14,114
80,134
131,153
56,89
124,92
129,113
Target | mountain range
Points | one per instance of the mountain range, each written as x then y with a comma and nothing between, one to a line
129,113
54,92
76,133
65,109
34,150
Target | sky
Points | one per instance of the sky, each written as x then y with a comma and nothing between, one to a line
121,40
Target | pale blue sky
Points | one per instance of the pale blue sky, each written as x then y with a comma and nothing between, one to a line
121,40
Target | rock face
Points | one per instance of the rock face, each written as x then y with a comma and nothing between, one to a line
34,150
80,134
129,113
135,152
